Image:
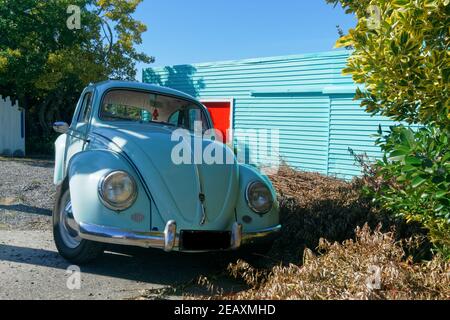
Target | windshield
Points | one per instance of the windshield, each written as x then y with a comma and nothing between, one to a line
146,107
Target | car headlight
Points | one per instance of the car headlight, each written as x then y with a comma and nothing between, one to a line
259,197
117,190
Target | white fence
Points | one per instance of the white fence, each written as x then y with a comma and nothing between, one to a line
12,129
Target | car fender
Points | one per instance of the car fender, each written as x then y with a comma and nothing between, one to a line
248,174
60,150
85,171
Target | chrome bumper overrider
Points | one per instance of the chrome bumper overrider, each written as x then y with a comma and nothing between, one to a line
167,240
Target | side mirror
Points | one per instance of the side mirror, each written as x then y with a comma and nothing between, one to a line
60,127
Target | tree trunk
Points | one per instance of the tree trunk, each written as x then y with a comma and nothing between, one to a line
42,115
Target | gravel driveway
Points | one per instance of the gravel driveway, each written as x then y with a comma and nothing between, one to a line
30,267
26,194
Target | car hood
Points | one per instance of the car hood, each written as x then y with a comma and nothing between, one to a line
176,188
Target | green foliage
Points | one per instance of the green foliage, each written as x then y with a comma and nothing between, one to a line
402,58
41,146
45,65
416,178
401,55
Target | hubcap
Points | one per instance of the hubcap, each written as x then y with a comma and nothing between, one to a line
67,224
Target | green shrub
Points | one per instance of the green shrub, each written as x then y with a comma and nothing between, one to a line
416,178
41,145
401,56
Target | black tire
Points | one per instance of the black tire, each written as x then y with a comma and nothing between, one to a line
81,253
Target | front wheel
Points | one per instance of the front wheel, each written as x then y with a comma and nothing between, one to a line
67,240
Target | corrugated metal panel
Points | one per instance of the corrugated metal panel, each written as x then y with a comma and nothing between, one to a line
305,97
302,123
238,78
351,128
12,129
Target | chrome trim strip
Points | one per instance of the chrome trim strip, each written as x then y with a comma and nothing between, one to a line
167,240
112,235
236,235
261,234
170,235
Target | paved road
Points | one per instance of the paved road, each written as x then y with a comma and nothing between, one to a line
30,267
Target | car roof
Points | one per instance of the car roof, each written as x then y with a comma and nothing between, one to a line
112,84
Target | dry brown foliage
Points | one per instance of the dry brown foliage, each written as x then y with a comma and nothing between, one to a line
348,271
327,249
314,206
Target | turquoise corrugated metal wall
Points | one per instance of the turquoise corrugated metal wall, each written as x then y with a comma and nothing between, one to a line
305,97
351,127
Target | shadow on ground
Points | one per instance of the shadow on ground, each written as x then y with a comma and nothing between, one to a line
138,264
33,162
26,209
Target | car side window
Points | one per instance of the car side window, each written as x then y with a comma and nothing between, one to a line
86,108
174,118
196,115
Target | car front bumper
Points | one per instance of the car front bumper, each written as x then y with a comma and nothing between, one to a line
168,240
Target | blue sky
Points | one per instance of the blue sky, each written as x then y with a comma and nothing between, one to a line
181,32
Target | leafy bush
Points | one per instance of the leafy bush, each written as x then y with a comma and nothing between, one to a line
416,175
41,145
45,66
401,56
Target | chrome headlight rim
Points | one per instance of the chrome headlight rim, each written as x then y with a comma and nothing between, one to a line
117,206
247,198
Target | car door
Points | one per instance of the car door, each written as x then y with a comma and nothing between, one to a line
77,134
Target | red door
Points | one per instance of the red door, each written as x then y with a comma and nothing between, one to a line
220,115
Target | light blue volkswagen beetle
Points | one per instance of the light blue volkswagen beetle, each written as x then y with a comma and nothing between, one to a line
119,182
